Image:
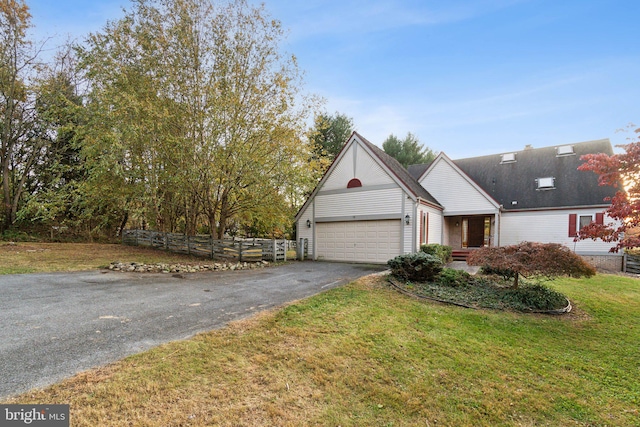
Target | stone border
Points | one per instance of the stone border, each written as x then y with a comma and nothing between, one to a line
399,288
134,267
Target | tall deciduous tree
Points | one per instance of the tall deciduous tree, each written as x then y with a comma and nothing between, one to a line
20,145
52,196
195,114
330,132
407,151
621,171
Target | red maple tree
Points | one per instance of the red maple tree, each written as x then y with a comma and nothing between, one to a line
529,259
623,172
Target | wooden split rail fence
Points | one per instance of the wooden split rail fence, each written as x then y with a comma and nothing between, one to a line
241,250
632,264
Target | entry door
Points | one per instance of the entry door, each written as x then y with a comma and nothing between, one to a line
476,231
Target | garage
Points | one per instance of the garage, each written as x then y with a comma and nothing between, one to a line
358,241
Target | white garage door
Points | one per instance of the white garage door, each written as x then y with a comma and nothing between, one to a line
358,241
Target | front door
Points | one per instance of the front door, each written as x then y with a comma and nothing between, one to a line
476,231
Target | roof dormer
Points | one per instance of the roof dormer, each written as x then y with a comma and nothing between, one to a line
564,150
508,158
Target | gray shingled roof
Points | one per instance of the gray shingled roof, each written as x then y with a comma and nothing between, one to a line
516,181
416,171
401,173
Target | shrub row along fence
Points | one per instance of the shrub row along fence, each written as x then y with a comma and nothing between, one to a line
242,250
632,264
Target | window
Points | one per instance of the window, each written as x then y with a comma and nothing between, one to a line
508,158
354,183
564,150
424,228
585,220
547,183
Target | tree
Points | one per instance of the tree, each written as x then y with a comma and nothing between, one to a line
620,171
532,259
51,188
407,151
20,142
196,117
330,132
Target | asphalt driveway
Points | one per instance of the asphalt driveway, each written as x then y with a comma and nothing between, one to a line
55,325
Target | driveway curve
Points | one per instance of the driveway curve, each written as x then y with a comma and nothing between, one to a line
53,326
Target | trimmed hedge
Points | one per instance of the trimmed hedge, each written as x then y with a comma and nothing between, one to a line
534,297
419,266
454,278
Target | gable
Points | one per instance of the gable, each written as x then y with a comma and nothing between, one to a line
356,162
454,190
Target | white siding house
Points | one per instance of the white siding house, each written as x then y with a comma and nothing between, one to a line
368,208
364,208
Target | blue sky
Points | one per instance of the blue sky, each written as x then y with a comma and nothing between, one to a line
468,77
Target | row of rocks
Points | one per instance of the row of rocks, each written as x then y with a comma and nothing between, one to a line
135,267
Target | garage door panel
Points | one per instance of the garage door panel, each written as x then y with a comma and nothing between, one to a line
360,241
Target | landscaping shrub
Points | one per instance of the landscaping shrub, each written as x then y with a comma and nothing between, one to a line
419,266
505,273
453,278
534,297
441,251
533,259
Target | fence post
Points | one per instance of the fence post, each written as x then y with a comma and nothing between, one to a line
211,244
188,245
624,263
284,242
240,250
274,244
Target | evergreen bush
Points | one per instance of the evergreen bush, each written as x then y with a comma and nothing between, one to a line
534,297
441,251
453,278
419,266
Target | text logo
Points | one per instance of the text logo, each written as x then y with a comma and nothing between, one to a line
34,415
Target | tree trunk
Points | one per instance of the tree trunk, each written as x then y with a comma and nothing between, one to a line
123,223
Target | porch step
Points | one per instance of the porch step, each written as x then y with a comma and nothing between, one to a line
460,255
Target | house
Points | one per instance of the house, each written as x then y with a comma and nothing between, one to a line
369,208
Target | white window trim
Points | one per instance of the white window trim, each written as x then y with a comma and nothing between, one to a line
546,183
565,150
508,158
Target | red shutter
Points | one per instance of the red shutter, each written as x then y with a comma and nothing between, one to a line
600,218
421,227
426,227
573,219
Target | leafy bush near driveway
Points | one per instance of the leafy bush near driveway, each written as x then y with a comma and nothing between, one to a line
441,251
419,266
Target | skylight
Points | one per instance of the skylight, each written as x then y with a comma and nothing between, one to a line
565,150
546,183
508,158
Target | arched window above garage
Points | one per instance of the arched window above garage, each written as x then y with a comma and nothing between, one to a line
355,182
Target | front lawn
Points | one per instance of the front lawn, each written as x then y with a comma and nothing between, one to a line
28,257
364,354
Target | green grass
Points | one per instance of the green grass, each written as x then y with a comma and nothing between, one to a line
364,354
31,257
